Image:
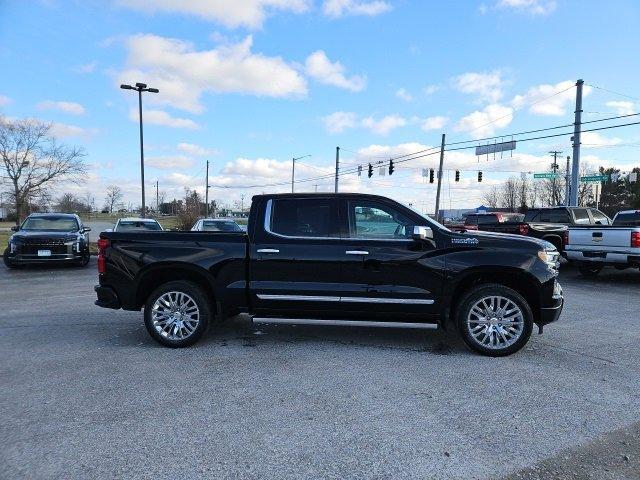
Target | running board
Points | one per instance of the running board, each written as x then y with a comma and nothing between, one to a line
345,323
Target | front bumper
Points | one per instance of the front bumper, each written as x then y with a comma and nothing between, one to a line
107,297
27,259
551,312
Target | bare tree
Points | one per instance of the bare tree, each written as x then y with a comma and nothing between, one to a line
492,196
510,194
114,196
33,160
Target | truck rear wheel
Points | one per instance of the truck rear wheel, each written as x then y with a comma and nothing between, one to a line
590,270
177,314
494,320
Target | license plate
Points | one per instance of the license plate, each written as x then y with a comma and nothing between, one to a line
44,253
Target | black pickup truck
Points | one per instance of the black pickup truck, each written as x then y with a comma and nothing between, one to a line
348,259
555,234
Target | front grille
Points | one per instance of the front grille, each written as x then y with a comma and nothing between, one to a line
55,249
43,241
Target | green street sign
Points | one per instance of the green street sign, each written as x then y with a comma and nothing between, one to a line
545,175
594,178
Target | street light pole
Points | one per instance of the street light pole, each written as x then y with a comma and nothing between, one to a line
293,169
141,87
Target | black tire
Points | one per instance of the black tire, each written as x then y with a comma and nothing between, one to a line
590,270
7,262
200,299
480,292
84,261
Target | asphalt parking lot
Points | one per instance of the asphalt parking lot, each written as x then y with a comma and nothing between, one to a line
87,394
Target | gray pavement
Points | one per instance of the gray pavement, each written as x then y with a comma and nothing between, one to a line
87,394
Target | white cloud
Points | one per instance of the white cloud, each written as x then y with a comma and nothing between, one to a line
339,8
434,123
482,123
86,68
62,130
183,74
197,150
534,7
338,122
384,125
231,13
402,94
160,117
169,162
431,89
547,99
622,108
488,86
595,139
4,100
319,67
71,108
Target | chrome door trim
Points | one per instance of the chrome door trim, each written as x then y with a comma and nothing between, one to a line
345,323
324,298
268,250
299,298
357,252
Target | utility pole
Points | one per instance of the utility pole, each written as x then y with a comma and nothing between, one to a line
157,199
337,167
567,185
577,124
141,87
242,204
554,169
440,178
206,193
316,185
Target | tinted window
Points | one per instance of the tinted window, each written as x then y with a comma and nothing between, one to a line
58,224
471,220
301,217
486,219
554,216
532,215
131,226
582,216
373,220
220,226
600,217
628,219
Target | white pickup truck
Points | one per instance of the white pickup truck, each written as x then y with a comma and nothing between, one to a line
592,247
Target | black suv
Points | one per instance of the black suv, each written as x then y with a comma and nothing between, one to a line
567,216
48,237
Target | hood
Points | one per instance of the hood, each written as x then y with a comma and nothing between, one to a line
26,235
499,240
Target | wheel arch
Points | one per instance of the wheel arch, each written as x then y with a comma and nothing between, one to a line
164,273
516,279
555,240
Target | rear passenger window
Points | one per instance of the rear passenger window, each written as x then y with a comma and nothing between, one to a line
599,217
582,216
631,219
532,216
554,216
301,217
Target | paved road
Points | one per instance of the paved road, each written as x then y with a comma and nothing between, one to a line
86,393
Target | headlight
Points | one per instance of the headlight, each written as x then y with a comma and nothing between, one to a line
12,246
550,257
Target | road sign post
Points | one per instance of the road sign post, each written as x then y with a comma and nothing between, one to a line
545,175
594,178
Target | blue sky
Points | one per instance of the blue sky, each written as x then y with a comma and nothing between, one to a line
248,84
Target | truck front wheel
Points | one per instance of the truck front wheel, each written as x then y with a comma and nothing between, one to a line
177,314
494,320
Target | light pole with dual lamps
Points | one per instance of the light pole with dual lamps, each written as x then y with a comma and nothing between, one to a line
141,87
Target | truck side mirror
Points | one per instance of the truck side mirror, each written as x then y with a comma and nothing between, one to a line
15,228
422,233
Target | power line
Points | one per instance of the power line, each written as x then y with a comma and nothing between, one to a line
614,92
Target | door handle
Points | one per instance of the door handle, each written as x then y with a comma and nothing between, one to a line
268,250
357,252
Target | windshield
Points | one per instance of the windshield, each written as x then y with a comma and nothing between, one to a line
631,219
132,225
220,226
54,224
428,220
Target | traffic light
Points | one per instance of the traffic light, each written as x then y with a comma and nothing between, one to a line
479,176
431,175
391,167
370,171
457,175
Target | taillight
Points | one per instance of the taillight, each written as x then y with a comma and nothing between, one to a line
565,237
635,239
523,229
103,243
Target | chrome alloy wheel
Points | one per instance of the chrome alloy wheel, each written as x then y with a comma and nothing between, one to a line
495,322
175,315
